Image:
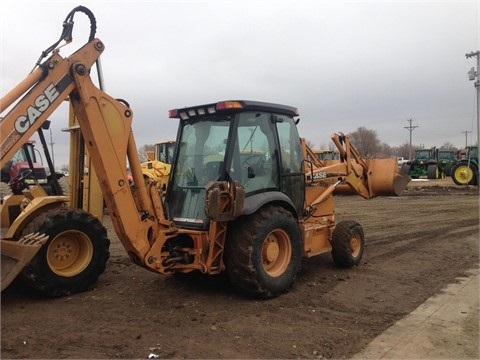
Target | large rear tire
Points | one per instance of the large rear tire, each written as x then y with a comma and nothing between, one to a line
74,256
263,252
348,243
462,174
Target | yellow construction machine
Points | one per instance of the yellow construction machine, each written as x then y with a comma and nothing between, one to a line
159,163
245,195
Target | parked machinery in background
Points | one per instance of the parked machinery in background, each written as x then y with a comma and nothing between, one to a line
465,170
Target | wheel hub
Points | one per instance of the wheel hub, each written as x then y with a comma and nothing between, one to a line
62,251
69,253
355,245
271,251
276,252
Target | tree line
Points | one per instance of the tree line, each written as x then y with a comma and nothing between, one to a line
370,146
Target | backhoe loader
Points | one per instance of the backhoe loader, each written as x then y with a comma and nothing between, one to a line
246,196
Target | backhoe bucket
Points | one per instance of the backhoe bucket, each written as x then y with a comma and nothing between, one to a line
385,179
17,254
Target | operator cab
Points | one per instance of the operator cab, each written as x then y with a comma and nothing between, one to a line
254,143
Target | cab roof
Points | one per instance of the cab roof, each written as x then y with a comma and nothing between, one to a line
231,106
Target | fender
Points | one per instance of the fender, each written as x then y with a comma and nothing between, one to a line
256,201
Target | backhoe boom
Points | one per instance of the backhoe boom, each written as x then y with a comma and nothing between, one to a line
105,123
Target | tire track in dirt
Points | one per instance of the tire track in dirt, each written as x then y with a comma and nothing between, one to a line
415,245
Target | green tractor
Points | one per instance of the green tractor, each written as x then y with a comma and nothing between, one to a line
445,161
423,164
465,170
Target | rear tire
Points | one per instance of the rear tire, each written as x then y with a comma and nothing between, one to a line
263,252
74,256
348,243
462,174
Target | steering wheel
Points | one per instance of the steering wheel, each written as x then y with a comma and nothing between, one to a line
256,162
22,175
248,161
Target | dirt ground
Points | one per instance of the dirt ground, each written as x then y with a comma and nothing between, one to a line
416,245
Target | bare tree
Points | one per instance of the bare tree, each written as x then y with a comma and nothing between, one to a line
324,146
448,146
366,141
386,151
310,144
405,149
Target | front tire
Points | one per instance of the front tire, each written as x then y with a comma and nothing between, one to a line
433,172
74,255
448,170
263,252
348,243
405,169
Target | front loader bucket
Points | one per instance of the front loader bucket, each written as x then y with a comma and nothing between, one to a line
385,179
17,254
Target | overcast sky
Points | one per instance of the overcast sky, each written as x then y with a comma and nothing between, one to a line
343,64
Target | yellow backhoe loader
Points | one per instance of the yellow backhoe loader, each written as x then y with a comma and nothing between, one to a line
245,195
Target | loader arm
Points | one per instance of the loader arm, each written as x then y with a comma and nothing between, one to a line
367,178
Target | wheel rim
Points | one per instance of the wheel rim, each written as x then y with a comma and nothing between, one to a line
276,253
69,253
464,174
355,245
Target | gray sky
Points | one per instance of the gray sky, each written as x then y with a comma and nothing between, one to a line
344,64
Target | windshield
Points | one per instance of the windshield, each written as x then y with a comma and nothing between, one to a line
200,158
423,154
201,152
21,156
203,157
448,155
165,152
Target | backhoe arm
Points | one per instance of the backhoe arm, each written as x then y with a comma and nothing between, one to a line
137,214
105,123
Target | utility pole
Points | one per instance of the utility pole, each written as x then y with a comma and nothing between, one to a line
410,128
472,74
466,132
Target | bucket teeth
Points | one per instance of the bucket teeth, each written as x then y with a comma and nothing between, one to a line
17,254
34,239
